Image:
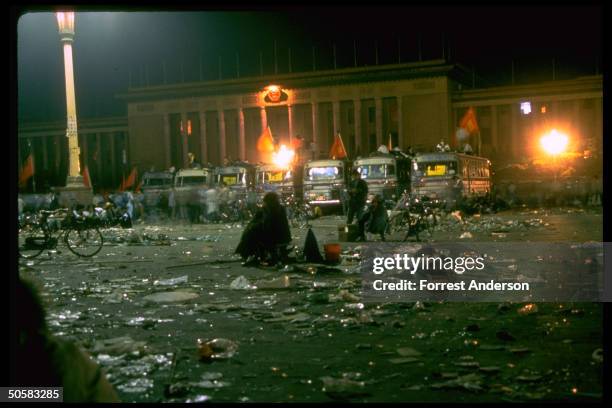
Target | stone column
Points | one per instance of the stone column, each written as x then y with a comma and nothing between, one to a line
113,161
494,138
290,121
46,154
379,119
514,129
598,131
203,150
554,109
264,118
99,155
167,140
222,150
184,141
336,116
242,136
400,122
315,125
576,118
57,156
85,153
357,123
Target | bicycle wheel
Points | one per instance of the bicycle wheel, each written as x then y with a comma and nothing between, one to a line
32,241
84,242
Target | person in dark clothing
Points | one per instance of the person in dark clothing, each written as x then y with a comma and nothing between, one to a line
358,194
43,360
267,235
374,220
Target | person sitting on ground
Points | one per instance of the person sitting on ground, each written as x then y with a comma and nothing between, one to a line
43,360
267,235
374,220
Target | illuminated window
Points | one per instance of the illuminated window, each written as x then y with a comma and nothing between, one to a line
526,108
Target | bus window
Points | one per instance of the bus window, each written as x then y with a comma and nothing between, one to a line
438,168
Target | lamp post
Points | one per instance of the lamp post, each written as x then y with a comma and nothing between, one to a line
65,22
74,180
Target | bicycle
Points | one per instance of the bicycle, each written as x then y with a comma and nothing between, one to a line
44,230
415,216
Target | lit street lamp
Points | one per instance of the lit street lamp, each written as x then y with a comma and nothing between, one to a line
74,181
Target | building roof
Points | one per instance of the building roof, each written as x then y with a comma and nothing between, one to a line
378,73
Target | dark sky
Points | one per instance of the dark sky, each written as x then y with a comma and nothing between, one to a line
111,45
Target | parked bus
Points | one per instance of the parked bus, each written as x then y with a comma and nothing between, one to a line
155,187
239,177
189,184
386,175
450,176
325,182
270,177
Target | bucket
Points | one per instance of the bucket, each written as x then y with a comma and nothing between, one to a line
332,252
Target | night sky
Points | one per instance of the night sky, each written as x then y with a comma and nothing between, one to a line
111,47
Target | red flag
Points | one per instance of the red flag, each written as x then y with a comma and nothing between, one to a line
468,122
27,171
86,179
337,150
189,127
265,143
131,180
137,190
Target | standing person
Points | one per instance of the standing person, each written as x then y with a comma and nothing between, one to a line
358,194
374,220
212,204
43,360
171,205
266,236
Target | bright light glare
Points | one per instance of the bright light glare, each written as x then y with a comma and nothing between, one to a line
554,142
526,108
283,157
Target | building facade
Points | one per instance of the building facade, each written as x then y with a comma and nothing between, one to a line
414,104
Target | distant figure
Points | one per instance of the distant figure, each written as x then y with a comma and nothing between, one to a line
193,164
443,147
212,204
467,149
20,205
358,194
267,235
43,360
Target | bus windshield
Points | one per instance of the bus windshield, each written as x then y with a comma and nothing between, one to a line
155,182
376,171
435,168
192,180
271,177
230,179
324,173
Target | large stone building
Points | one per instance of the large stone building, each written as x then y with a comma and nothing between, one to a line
416,104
